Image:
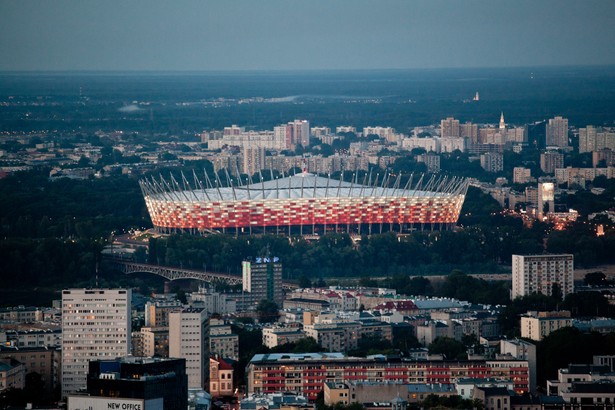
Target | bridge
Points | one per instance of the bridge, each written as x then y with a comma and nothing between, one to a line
172,273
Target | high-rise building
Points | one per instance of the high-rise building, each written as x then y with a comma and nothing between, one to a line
187,340
96,325
542,274
550,161
545,198
557,132
253,160
449,128
299,132
262,279
470,131
587,139
492,161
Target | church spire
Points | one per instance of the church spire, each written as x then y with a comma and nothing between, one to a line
502,123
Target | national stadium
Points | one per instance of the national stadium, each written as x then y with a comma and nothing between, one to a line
304,204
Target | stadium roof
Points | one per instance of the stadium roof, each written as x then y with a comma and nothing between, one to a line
303,185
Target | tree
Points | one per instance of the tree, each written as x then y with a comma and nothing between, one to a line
450,348
267,311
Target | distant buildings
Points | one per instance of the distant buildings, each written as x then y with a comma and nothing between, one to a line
550,161
96,324
542,274
492,161
449,128
557,132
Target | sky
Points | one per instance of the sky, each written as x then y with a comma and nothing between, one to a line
195,35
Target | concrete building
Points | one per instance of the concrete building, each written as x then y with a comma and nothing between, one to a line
42,360
522,175
550,161
222,341
276,336
262,279
12,374
449,128
306,373
541,273
96,324
557,132
431,161
522,350
253,160
492,161
187,340
157,312
538,325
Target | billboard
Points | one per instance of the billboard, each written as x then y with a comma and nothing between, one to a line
113,403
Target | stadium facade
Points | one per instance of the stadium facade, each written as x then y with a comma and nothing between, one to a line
305,204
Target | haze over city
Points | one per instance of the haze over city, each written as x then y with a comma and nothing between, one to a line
158,35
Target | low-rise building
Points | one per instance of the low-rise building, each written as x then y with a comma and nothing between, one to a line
538,325
276,335
220,378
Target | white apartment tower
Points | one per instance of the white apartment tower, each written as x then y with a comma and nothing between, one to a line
540,273
96,325
187,340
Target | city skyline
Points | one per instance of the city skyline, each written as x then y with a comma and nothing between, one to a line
316,35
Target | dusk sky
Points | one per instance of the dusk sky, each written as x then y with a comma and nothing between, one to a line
315,34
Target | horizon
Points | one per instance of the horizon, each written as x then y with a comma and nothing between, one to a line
315,35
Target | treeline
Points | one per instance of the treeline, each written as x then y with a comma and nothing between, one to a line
32,206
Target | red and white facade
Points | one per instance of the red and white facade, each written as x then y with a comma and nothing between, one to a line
307,203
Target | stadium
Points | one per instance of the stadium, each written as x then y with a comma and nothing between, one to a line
304,204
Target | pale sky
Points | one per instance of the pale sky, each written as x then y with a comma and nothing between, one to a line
194,35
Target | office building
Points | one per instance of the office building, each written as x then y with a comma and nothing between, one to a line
156,383
557,132
96,325
542,274
187,340
262,279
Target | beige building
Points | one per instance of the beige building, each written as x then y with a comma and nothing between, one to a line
96,325
276,336
222,341
187,334
220,378
538,325
542,274
12,374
